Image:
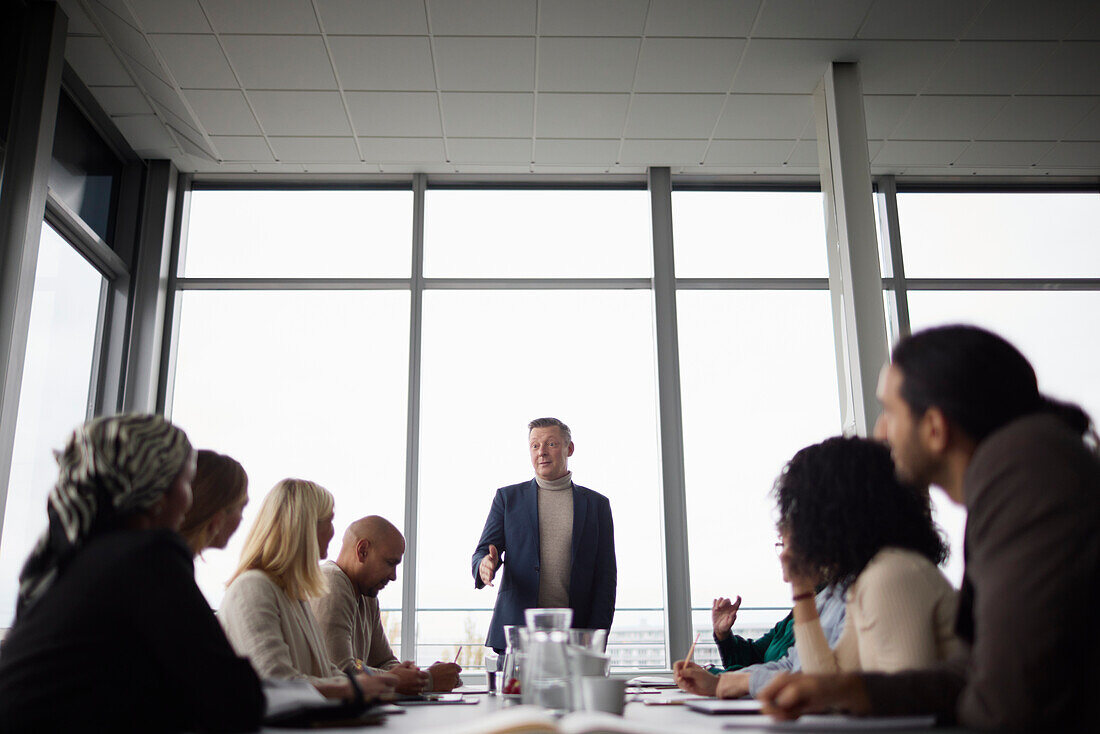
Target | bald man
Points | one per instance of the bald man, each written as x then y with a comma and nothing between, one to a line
348,612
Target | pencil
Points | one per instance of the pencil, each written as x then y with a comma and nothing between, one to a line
455,661
691,650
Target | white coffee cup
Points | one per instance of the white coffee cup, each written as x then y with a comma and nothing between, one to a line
604,694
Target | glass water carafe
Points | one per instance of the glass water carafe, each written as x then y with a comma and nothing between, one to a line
546,680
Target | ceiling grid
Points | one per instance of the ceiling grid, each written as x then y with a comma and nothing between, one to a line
581,86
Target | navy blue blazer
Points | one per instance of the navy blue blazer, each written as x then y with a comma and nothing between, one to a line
513,527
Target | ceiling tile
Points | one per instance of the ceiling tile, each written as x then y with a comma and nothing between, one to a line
300,113
673,115
192,143
749,152
919,152
482,17
129,40
662,152
711,18
373,17
144,132
884,113
989,67
262,16
183,125
178,16
160,92
489,150
804,154
1072,155
581,115
234,148
587,64
765,116
576,151
315,150
1038,118
121,100
796,67
1088,128
1015,153
403,150
260,62
948,118
223,112
485,64
592,18
801,19
196,61
687,65
480,115
380,62
1015,20
1088,28
927,19
395,114
95,63
1073,68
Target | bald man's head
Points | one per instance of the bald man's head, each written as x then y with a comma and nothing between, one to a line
371,551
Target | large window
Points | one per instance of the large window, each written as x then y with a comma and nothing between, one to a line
758,382
54,397
492,362
1019,264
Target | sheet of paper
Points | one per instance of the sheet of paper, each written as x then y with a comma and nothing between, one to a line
288,695
735,706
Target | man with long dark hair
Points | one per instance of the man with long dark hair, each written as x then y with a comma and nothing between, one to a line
962,410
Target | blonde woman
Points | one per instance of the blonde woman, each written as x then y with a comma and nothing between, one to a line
266,613
219,493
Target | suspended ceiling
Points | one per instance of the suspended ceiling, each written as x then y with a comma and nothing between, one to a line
952,87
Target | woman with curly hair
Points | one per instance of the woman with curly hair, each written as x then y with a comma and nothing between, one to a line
850,522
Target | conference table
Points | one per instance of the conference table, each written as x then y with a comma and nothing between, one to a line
637,717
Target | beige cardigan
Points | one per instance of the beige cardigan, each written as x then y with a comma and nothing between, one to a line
900,615
276,633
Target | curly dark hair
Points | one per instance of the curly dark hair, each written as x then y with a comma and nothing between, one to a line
840,503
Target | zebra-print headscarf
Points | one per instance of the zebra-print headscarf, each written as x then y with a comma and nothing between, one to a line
110,468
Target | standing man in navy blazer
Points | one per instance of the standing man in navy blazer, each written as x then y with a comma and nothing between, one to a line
554,538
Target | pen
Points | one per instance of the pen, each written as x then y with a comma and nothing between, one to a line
691,650
455,661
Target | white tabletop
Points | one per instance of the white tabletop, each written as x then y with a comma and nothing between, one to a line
444,719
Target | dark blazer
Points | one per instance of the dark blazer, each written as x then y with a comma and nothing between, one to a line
513,527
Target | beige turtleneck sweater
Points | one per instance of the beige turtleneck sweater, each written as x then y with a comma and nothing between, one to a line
555,540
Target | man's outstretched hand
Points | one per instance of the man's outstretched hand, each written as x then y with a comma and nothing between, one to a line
489,565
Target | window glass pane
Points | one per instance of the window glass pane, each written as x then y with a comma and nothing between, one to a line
299,234
1000,235
493,361
749,234
759,382
298,384
537,234
84,172
1051,328
53,398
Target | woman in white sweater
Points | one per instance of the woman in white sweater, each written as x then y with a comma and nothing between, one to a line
847,519
266,613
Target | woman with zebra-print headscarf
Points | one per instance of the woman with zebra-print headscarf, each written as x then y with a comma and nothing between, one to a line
111,631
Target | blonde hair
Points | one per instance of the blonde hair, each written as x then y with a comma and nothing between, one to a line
220,482
283,541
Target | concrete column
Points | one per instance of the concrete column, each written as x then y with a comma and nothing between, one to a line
855,279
